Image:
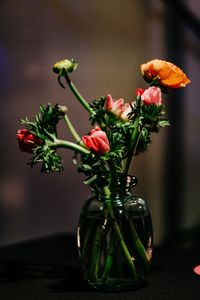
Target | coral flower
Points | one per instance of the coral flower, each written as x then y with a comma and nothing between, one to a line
117,107
168,74
152,95
97,141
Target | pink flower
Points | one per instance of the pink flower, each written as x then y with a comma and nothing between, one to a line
27,140
97,141
117,107
152,95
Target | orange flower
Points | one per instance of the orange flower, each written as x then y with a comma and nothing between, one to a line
167,73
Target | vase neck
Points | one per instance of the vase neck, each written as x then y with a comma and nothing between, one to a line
117,189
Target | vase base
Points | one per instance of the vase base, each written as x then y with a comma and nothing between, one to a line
117,285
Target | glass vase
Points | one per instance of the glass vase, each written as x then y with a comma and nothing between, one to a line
114,239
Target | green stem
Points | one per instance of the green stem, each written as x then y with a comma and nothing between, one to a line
95,254
109,260
86,241
139,247
118,233
134,142
80,98
69,145
72,130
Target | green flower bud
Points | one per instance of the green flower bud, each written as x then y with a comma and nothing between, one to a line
63,67
63,109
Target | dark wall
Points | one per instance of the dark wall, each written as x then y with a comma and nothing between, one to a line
110,40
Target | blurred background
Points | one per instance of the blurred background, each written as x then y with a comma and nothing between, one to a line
109,39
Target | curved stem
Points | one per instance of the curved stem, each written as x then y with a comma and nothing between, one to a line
80,98
72,130
69,145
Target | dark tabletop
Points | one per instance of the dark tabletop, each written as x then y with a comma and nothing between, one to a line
48,268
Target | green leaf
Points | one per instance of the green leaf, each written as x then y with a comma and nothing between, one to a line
48,158
163,123
86,167
90,180
98,112
45,122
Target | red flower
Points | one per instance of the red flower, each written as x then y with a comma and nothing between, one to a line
117,107
139,92
152,95
27,140
97,141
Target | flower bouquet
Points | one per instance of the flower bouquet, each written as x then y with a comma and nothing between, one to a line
114,235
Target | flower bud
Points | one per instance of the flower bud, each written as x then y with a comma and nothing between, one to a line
139,92
97,141
63,109
63,67
27,140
